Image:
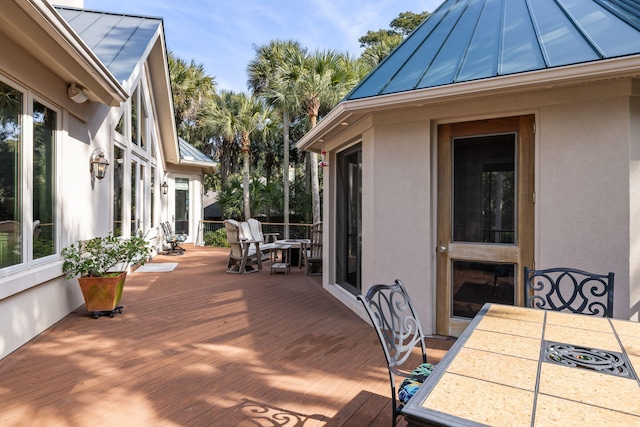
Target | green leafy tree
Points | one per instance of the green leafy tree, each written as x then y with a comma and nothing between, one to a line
319,81
266,79
242,119
192,89
378,44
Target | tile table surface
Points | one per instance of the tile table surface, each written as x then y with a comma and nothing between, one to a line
499,373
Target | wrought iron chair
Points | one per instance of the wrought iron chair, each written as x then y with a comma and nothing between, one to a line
394,319
180,237
568,289
172,240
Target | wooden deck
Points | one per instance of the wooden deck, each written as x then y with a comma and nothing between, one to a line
201,347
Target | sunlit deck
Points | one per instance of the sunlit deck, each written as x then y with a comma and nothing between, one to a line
201,347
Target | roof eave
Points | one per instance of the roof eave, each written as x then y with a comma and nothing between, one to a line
161,81
605,69
206,166
89,71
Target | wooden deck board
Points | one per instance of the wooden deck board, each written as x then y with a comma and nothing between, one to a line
201,347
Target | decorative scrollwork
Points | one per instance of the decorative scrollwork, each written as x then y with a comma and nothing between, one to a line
608,362
571,290
397,323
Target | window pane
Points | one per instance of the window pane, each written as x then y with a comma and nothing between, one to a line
182,205
44,230
118,180
134,117
476,283
120,125
143,122
153,196
349,220
484,189
10,175
134,197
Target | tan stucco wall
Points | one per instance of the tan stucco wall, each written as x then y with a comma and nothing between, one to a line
583,179
582,204
634,206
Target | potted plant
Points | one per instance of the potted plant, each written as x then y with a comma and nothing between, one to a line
101,264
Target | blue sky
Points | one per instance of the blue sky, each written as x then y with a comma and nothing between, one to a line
220,34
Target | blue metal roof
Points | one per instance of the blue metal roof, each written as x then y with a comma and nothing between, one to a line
119,41
190,153
465,40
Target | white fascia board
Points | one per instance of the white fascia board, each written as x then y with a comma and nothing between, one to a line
204,165
45,15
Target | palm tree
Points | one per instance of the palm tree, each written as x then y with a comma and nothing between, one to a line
266,80
319,81
192,90
239,119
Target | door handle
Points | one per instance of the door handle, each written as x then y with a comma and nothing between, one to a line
443,249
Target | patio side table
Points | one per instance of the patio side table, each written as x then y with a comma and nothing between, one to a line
280,259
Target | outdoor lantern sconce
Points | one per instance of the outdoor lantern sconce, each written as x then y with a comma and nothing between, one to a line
98,164
164,187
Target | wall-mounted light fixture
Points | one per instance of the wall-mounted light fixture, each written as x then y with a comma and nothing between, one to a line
77,93
165,187
98,164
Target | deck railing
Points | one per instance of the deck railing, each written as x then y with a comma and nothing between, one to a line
296,231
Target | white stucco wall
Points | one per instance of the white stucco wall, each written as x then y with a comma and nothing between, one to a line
35,295
587,173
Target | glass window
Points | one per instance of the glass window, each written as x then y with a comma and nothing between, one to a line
134,196
484,189
44,221
144,117
182,205
118,190
120,125
11,102
134,117
349,219
153,196
26,234
476,283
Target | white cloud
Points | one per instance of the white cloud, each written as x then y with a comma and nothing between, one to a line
220,34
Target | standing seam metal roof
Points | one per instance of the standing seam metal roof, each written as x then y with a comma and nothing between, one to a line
465,40
120,41
191,153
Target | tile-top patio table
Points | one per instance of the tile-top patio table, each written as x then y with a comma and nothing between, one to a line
516,366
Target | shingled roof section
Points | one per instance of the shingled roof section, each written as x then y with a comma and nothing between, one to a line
466,40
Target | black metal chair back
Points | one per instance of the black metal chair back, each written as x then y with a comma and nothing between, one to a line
571,290
396,323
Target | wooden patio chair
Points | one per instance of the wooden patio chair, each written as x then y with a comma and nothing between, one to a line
570,290
255,228
398,328
311,252
242,256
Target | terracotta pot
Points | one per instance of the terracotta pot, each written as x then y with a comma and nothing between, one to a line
102,293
